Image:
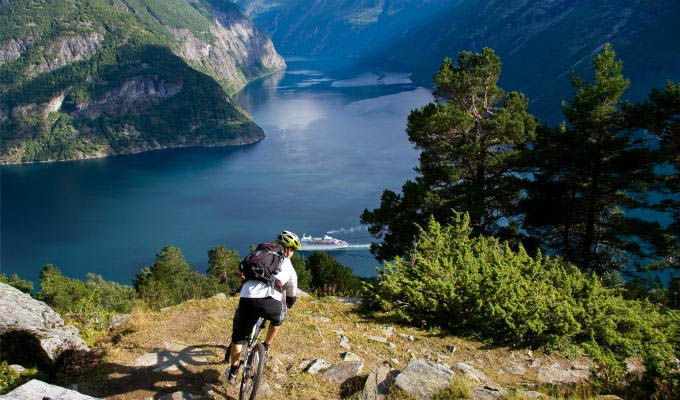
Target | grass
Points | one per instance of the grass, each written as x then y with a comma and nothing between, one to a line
205,326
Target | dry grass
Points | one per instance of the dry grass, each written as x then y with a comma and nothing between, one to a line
205,326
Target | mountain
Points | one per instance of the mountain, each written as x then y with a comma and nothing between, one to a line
89,78
539,42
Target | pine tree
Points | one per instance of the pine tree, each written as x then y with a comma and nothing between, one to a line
591,174
224,267
470,138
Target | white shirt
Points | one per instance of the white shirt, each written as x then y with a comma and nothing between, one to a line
259,290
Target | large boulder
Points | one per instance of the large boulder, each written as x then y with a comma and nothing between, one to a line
343,371
557,374
423,379
21,316
36,389
378,382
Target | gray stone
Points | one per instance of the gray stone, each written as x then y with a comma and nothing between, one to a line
423,379
265,390
558,375
317,366
535,363
179,396
472,373
18,368
322,319
451,349
377,383
118,320
349,356
532,394
404,336
488,392
515,369
339,331
344,342
388,331
343,371
380,339
36,389
19,312
220,296
301,293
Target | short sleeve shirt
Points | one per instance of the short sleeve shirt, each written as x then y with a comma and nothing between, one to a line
259,290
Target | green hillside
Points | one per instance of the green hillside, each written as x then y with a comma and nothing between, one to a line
81,79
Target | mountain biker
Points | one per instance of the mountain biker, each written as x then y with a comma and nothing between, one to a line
259,299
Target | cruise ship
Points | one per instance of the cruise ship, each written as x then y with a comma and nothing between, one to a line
324,243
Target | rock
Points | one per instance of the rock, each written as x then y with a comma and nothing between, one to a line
392,345
220,296
322,319
488,392
451,349
20,313
278,386
535,363
557,375
36,389
472,373
377,383
404,336
316,366
532,394
339,331
301,293
18,368
343,371
118,320
349,356
265,390
380,339
515,369
423,379
304,364
394,361
173,356
388,331
344,342
635,365
179,396
349,300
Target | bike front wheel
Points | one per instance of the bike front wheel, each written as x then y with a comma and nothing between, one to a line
252,373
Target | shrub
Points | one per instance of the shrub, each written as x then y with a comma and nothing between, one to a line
18,283
88,304
304,275
479,286
329,277
224,268
170,280
9,378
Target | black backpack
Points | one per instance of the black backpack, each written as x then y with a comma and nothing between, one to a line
263,263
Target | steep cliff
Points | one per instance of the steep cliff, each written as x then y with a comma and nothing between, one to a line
81,79
539,42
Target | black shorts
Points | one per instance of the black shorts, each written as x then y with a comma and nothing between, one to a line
249,310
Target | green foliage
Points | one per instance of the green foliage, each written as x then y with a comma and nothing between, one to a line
304,275
88,304
224,268
470,138
479,286
9,378
170,281
595,170
18,283
329,277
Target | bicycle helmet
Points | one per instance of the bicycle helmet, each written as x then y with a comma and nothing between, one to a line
289,239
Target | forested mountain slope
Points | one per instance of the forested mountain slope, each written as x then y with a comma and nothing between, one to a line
540,42
81,79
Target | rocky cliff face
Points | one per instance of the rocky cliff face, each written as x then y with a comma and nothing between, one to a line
89,78
539,42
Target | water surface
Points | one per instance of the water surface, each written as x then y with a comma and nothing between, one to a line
333,144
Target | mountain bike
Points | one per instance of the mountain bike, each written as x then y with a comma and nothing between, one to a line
254,354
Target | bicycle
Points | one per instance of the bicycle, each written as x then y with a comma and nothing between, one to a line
254,354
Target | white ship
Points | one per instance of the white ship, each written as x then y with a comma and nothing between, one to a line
324,243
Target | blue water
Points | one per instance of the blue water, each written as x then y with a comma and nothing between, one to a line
334,142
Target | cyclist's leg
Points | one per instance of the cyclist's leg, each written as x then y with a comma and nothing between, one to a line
275,312
244,319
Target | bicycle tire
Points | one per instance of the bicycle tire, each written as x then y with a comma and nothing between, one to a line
255,367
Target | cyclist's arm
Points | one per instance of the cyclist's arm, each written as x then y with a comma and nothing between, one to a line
291,288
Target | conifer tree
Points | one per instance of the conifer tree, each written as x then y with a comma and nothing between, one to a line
591,174
470,138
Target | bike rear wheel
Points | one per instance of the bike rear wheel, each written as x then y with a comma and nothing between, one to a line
252,373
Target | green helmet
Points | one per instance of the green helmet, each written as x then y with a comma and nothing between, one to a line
289,239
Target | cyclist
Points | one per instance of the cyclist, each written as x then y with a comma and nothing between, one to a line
259,299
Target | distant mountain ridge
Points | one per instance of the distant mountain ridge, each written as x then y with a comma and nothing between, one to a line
539,42
82,79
